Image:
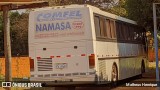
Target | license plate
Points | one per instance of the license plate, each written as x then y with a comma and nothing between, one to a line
61,65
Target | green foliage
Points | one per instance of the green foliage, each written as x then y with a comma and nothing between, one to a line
1,36
68,2
140,11
119,9
62,2
137,10
19,34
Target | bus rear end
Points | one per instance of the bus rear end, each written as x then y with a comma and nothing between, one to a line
61,45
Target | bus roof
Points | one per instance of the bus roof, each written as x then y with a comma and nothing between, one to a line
94,9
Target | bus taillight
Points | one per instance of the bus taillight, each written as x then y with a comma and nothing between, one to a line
31,64
92,61
38,57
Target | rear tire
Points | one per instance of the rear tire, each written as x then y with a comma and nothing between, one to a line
142,69
114,74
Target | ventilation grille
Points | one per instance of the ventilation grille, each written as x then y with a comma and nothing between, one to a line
102,70
45,64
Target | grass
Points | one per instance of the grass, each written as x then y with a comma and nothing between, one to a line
152,65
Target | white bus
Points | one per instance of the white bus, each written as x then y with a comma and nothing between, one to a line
84,43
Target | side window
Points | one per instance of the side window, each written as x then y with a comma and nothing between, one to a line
108,28
121,31
102,26
132,32
97,25
118,30
124,37
127,32
112,25
135,34
140,37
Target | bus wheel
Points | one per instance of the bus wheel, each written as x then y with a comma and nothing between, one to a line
142,67
114,75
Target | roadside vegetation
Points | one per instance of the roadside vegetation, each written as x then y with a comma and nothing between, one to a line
152,65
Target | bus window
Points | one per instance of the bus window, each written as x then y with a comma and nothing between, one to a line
112,25
117,30
97,26
108,28
140,35
127,32
132,32
102,27
123,32
136,34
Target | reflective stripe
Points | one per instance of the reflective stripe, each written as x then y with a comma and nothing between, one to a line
68,55
83,54
38,57
65,74
51,56
58,56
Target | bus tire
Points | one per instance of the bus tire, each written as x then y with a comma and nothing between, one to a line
114,75
142,67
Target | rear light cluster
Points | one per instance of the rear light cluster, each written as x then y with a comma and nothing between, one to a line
51,56
92,61
38,57
31,64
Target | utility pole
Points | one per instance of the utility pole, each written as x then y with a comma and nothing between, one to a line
5,6
7,43
156,43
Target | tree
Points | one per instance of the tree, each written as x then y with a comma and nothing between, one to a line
19,33
1,36
140,11
118,8
68,2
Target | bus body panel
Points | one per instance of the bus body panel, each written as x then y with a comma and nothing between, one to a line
131,58
127,56
59,28
61,54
